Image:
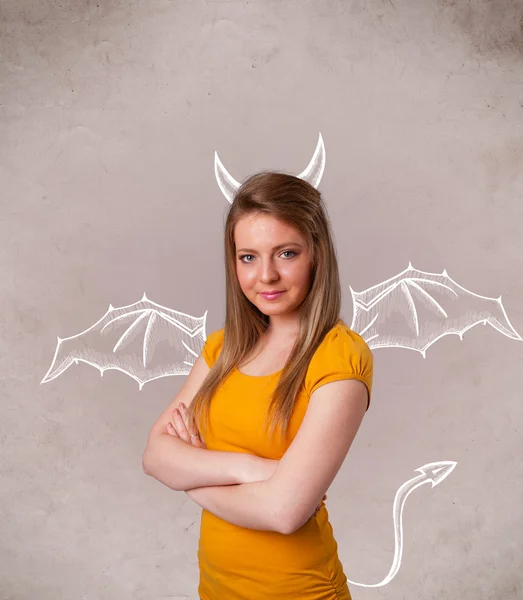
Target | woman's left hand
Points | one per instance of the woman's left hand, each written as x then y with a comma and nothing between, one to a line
319,506
183,429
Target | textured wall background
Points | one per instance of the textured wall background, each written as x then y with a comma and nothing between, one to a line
110,113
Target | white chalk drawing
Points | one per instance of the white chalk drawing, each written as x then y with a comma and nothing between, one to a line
423,307
143,340
412,310
433,473
312,174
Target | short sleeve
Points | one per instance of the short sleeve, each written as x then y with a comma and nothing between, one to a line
212,347
342,354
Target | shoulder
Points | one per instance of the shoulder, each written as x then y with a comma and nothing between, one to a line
342,334
341,342
212,346
342,354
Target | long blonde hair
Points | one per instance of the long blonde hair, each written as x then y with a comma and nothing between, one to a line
297,203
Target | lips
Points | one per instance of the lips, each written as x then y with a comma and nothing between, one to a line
272,295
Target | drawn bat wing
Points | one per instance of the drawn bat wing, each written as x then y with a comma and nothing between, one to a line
415,309
144,340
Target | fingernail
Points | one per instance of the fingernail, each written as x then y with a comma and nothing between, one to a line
182,405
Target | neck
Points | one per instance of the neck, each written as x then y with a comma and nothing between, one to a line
283,326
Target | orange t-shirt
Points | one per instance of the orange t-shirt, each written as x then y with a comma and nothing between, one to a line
246,564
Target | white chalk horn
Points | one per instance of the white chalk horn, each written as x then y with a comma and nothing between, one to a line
312,174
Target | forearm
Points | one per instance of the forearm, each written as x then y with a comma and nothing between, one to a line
181,467
250,505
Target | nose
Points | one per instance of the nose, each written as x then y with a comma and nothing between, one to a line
268,271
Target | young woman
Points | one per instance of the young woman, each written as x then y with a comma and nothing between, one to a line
278,396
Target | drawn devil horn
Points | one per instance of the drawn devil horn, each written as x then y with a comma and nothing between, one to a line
312,174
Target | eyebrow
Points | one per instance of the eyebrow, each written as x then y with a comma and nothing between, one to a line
275,247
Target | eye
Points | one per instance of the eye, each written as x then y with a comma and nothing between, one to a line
245,256
291,251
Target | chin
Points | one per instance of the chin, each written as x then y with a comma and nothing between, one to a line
274,311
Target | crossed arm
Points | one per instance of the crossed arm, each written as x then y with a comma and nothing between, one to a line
249,505
232,485
225,482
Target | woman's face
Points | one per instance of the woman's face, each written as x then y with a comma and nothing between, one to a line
272,256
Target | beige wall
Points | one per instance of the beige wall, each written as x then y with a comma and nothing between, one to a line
110,114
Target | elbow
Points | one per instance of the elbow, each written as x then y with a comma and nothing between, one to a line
286,520
291,518
148,460
285,529
288,527
145,463
155,467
